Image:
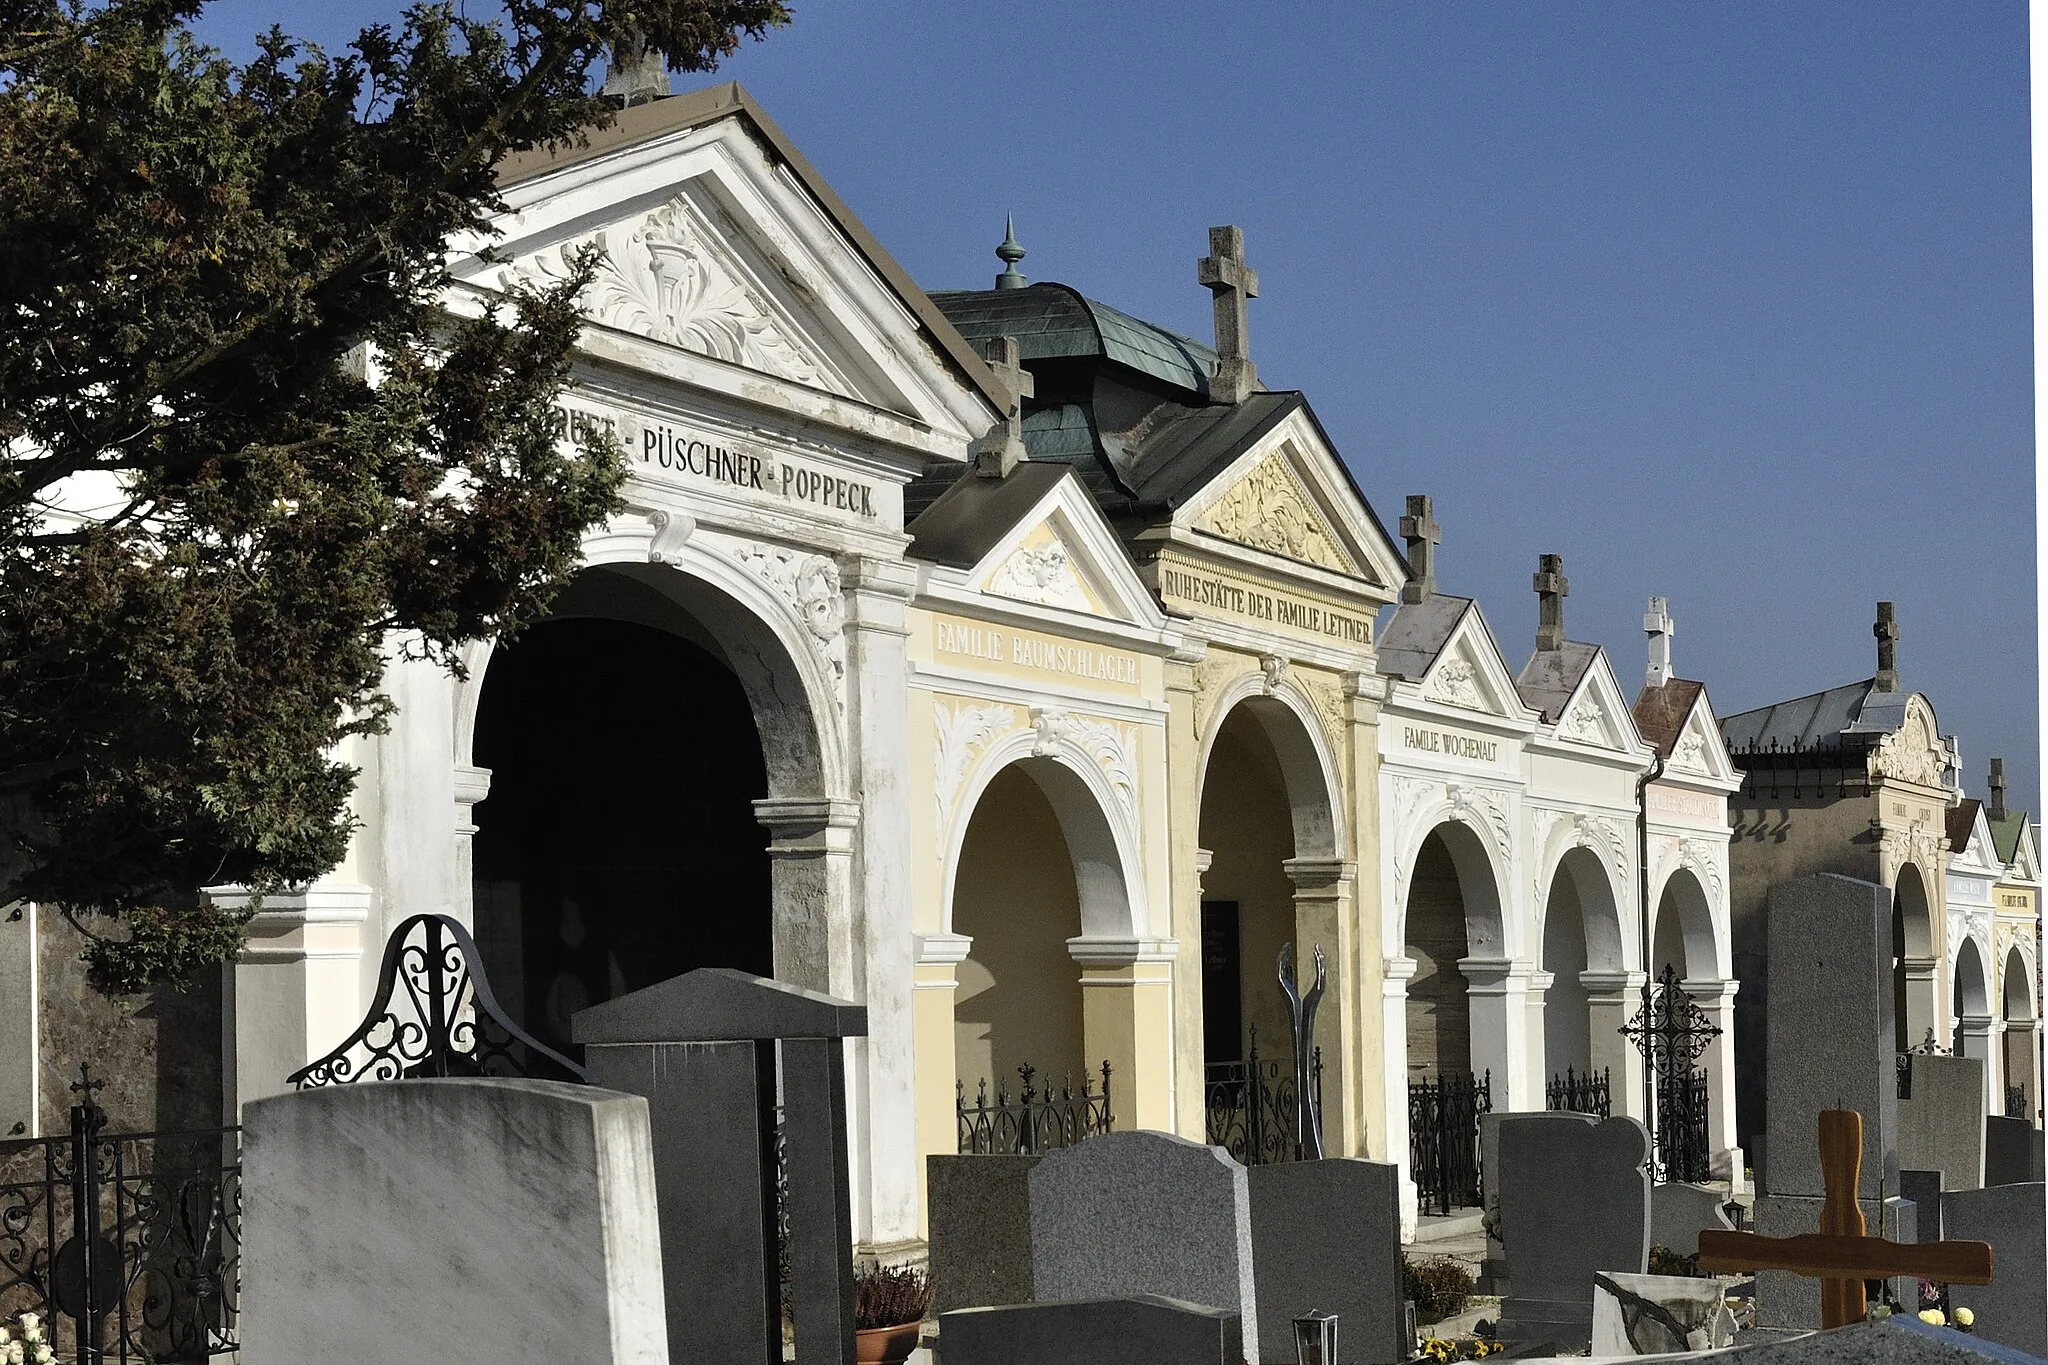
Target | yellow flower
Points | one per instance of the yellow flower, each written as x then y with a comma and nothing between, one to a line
1932,1317
1965,1318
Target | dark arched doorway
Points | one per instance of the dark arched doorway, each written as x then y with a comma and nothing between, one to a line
618,846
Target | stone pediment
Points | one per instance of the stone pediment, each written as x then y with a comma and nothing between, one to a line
1699,750
1269,509
1061,553
670,275
1470,674
1596,716
1913,752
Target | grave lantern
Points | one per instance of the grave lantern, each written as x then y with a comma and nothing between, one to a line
1315,1339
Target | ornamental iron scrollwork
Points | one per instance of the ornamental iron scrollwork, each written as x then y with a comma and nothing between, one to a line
1034,1121
1672,1032
1251,1107
434,1015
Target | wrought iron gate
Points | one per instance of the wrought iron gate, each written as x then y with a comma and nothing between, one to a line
126,1244
1573,1093
1252,1106
1682,1143
1034,1121
1443,1139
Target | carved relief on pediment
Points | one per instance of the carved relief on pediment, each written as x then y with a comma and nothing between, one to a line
1267,510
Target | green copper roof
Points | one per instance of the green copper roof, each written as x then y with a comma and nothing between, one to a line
1054,321
2005,834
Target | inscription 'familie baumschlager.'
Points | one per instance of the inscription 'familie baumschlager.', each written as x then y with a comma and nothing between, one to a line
1431,741
1019,650
655,445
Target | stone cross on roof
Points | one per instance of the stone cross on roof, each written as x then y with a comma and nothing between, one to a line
1551,589
1887,632
1840,1255
636,74
1419,528
1659,626
1002,449
1997,811
1233,283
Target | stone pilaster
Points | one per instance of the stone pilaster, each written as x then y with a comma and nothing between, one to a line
1497,992
1612,999
1395,974
297,983
934,982
1185,865
1362,985
1716,1000
1127,1019
1323,916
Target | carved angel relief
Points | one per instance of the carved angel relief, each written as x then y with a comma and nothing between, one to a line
1690,753
658,279
1043,574
1266,510
1581,722
1455,682
1904,754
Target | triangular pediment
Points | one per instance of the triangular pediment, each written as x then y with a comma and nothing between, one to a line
1286,498
722,262
1469,672
1699,750
1596,716
1063,554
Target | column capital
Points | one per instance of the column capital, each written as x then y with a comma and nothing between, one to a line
1320,874
941,950
1401,969
869,576
1708,991
1092,951
1613,982
802,826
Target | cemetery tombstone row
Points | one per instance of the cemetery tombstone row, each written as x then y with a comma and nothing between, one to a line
710,1050
1147,1213
1574,1203
445,1220
1941,1118
2013,1308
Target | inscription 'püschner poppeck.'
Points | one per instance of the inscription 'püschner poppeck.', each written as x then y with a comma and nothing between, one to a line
655,445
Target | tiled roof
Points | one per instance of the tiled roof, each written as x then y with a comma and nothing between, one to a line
1417,632
1962,822
1551,676
1661,712
1815,721
1054,321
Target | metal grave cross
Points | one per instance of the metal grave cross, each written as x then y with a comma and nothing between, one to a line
1840,1256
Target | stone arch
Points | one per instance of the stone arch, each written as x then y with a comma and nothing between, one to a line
1581,936
1098,828
1286,716
1972,995
1914,987
773,618
1682,931
1451,926
2019,1042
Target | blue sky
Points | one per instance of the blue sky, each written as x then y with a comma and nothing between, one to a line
1728,303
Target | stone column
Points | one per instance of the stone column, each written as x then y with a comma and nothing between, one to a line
934,982
1716,1000
1537,1094
1975,1038
887,1172
409,845
297,985
1186,865
1395,975
1498,991
1363,693
1612,999
1127,987
20,1037
1923,999
810,851
1323,915
2022,1048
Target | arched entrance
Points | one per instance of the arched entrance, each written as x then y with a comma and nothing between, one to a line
1581,936
1265,802
2019,1047
641,748
1913,981
1452,914
1683,936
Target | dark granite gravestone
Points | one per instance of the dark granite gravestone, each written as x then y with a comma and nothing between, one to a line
2009,1146
2013,1308
707,1049
979,1213
1144,1213
1829,1040
1144,1329
1923,1188
1574,1202
1326,1237
1941,1119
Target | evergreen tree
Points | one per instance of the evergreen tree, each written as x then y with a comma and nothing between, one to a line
246,455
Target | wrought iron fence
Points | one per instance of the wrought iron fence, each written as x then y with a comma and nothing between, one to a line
1683,1147
1253,1108
1443,1139
127,1244
2016,1102
1032,1121
1578,1093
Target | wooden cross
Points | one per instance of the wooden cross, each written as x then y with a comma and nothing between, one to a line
1840,1256
999,452
1233,283
1420,529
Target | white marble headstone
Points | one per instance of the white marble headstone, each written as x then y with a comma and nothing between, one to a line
445,1220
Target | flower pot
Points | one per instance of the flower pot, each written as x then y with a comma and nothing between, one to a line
885,1345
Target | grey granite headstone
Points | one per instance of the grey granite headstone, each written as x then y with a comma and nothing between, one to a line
1326,1237
1924,1189
1574,1201
1828,1029
1680,1212
1144,1213
1144,1329
444,1220
710,1050
2013,1308
979,1211
2008,1151
1897,1340
1637,1315
1941,1118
